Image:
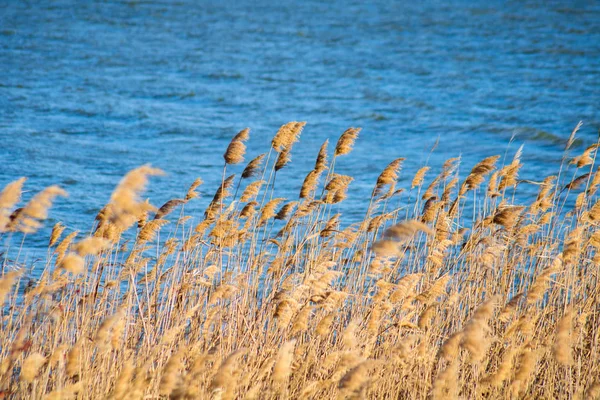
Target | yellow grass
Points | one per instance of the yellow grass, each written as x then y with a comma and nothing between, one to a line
462,294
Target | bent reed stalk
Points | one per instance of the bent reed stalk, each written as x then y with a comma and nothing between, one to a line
272,298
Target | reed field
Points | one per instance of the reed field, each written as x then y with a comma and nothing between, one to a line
450,287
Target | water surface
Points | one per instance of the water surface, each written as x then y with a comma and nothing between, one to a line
89,90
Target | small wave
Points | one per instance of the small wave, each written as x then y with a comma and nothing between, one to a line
70,181
79,111
225,75
539,135
176,95
188,95
373,116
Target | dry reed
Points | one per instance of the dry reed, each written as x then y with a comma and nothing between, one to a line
443,297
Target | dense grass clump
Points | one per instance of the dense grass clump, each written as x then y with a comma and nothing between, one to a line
460,294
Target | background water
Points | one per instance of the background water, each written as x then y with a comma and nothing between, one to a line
89,90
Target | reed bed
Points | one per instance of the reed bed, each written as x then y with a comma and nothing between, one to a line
457,291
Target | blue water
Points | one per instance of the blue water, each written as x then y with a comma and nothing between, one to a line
89,90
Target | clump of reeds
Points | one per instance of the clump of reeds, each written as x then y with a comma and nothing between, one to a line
439,294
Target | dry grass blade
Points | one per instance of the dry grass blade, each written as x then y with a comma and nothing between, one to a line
37,209
168,207
125,204
282,159
287,135
283,365
577,182
9,197
321,162
253,167
236,149
310,184
6,283
388,176
478,173
31,367
572,136
57,231
346,141
191,193
251,191
405,230
561,348
419,177
224,381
